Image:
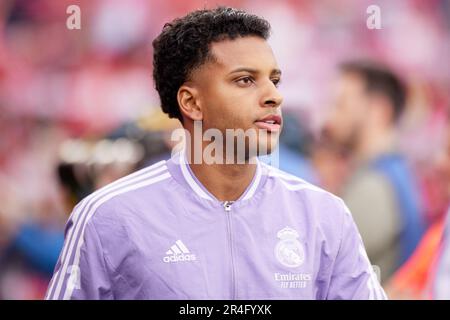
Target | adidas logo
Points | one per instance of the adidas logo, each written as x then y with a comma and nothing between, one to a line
178,252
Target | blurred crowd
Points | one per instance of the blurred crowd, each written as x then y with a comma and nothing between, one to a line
366,116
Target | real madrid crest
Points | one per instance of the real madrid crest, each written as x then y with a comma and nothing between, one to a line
289,251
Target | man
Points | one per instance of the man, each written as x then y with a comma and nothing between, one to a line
381,192
182,230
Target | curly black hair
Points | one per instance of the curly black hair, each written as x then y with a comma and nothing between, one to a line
184,44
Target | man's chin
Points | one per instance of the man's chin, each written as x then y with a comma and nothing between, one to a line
266,148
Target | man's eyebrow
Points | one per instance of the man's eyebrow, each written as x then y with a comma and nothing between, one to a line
274,72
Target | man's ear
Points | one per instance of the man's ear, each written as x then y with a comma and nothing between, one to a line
188,100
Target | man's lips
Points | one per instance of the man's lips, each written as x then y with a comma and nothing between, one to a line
271,123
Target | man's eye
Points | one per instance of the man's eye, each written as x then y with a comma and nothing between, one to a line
276,82
245,81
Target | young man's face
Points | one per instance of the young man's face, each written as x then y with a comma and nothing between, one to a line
349,109
239,88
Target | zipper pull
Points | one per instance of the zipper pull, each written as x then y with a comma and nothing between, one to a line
227,205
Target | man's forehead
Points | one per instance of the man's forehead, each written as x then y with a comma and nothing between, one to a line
251,52
349,82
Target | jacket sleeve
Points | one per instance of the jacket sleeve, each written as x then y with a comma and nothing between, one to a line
81,271
353,277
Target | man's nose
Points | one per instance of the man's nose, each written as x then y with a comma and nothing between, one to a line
273,97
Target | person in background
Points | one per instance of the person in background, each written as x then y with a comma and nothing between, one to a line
381,190
426,274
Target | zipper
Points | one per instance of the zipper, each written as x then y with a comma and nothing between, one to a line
227,205
227,208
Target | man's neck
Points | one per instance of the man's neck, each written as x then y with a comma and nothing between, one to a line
226,182
375,142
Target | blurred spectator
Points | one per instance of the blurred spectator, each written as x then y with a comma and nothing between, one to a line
32,215
381,192
414,280
426,274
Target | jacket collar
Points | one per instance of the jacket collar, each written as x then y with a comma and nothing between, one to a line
181,171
